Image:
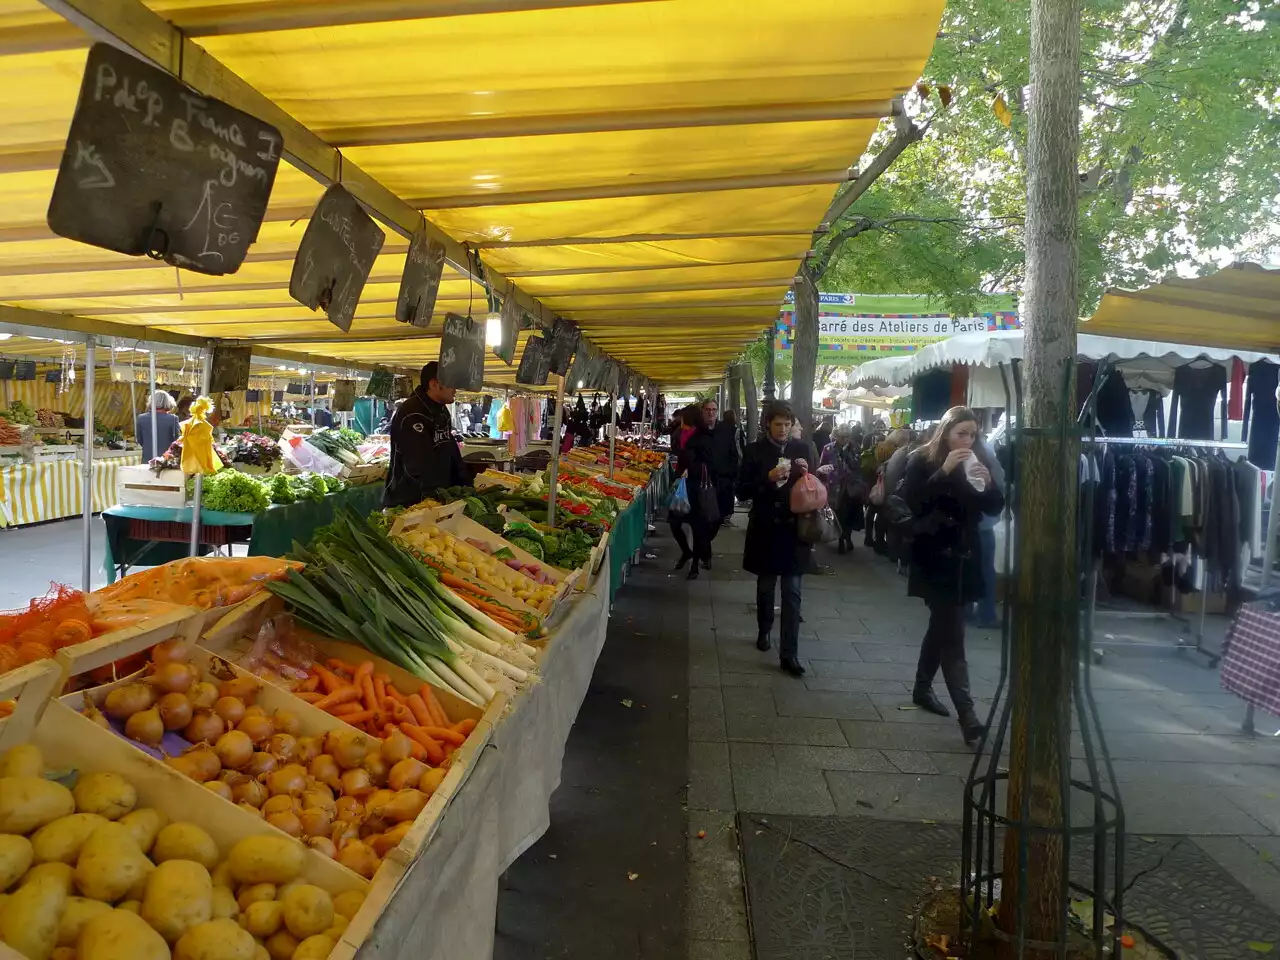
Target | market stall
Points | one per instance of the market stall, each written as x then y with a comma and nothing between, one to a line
36,492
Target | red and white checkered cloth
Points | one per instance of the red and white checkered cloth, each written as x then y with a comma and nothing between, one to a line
1251,668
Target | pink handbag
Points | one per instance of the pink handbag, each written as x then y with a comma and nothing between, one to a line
808,495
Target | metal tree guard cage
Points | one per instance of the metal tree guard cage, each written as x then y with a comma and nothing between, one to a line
980,879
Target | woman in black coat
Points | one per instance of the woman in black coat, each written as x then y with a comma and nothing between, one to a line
694,462
773,551
941,490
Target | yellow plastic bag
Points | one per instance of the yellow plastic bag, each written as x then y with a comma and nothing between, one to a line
198,455
506,421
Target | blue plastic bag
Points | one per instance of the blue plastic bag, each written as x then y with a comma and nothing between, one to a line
679,505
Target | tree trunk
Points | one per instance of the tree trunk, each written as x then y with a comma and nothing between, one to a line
804,350
750,405
1046,622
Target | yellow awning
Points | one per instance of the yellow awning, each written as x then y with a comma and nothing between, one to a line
650,169
1237,308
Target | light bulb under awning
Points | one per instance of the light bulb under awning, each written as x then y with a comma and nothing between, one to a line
493,330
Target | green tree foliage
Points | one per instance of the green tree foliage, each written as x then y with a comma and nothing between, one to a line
1180,153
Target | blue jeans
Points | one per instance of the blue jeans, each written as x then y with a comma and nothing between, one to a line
985,609
789,642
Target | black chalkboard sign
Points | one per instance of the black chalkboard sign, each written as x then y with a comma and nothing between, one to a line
420,281
379,384
252,396
344,396
577,377
562,345
462,353
26,370
277,396
6,369
153,167
229,368
53,376
533,362
335,257
512,314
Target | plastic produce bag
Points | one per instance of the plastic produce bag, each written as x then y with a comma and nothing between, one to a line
808,495
679,505
306,457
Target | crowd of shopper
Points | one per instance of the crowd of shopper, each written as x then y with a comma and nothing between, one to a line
929,501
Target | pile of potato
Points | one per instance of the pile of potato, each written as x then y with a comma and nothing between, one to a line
89,876
347,795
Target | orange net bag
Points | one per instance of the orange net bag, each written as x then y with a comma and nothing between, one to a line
58,619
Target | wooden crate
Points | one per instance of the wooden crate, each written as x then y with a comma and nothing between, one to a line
462,526
593,561
363,473
140,486
185,623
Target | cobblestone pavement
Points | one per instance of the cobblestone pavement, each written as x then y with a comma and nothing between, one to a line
846,741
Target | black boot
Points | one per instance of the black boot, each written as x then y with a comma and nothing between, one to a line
792,666
971,728
763,643
706,564
924,698
840,548
693,571
956,674
684,558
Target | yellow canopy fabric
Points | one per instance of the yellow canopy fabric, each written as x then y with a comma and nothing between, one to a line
1236,308
650,169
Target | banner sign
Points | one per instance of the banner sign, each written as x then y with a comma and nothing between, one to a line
852,331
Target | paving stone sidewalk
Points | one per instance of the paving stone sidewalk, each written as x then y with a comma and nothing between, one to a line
845,740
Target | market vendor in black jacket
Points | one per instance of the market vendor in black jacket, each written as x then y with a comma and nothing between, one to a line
773,550
424,453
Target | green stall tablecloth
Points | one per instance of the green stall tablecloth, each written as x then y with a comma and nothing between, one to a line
271,533
625,539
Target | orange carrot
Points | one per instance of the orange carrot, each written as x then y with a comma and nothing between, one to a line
337,664
357,718
421,715
364,670
396,695
309,685
465,727
445,735
438,717
366,692
379,688
330,681
388,729
398,710
346,709
435,752
346,694
309,697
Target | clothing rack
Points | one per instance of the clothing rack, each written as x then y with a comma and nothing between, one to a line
1211,657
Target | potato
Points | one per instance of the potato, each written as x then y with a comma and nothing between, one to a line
308,910
23,760
120,935
314,948
77,913
260,952
28,803
224,904
281,945
222,876
15,858
106,794
266,860
339,927
263,918
111,864
347,903
215,940
63,953
60,841
133,906
63,873
179,895
29,917
255,893
144,824
185,841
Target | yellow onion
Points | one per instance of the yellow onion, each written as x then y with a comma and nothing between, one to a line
146,727
205,727
175,710
326,771
234,749
287,821
307,749
258,727
291,779
251,792
123,702
260,764
359,858
230,710
286,722
173,677
323,845
347,747
220,788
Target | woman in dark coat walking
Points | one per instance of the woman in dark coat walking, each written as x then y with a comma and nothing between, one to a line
942,489
694,462
772,550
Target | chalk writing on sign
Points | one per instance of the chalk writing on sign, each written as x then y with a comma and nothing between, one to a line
335,257
153,167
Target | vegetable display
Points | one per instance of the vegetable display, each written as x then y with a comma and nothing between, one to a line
362,586
458,554
21,414
90,875
230,491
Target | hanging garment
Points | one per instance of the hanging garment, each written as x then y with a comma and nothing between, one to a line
1161,539
959,385
506,419
1197,390
1248,480
1148,413
1235,407
1115,415
1104,505
1262,432
1126,514
931,394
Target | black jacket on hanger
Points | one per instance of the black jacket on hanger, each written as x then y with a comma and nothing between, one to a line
1115,415
1197,390
1148,411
